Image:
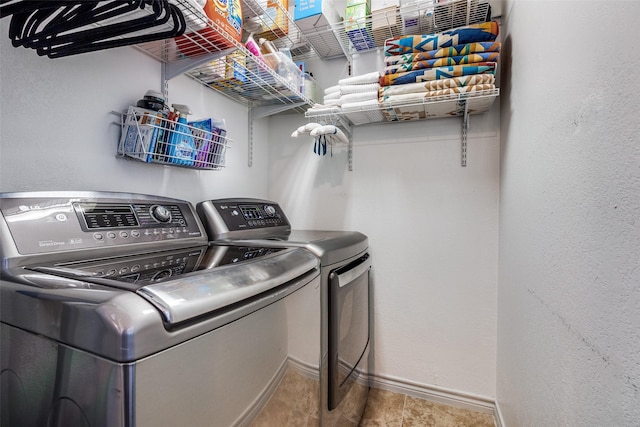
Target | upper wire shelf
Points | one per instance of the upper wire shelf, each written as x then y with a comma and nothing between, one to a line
212,57
420,17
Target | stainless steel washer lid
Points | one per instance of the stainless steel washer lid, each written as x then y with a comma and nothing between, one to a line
195,295
330,246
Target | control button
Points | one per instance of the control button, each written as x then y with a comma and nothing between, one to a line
135,268
111,235
124,234
111,272
61,217
135,233
124,270
98,236
160,213
170,230
235,213
269,210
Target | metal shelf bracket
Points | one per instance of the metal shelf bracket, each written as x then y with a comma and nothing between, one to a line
465,127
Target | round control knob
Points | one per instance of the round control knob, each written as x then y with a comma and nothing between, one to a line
269,210
160,213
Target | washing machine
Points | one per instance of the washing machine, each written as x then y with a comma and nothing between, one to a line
116,311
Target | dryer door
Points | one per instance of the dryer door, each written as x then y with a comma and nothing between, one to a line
348,326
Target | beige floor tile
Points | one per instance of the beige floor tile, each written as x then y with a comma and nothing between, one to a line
424,413
384,409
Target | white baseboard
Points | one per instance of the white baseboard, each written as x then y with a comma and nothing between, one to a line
443,395
498,415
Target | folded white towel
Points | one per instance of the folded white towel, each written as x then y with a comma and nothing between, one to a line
332,89
347,89
331,102
333,95
361,79
360,105
356,97
323,109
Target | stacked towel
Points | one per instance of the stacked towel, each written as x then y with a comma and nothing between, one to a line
359,98
352,95
359,89
461,60
484,32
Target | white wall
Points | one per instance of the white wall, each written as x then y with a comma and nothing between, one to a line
569,295
432,227
56,129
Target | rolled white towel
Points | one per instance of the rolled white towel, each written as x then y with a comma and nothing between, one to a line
372,77
311,126
337,134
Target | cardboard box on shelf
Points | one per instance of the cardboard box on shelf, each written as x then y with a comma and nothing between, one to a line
357,24
226,16
275,20
385,23
383,4
314,18
235,67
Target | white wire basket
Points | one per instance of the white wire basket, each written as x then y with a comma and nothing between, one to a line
149,136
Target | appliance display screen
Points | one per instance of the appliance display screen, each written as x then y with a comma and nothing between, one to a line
251,212
109,216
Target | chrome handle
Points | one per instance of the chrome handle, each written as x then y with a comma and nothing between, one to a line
353,273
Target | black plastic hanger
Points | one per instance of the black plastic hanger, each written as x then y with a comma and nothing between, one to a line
62,28
178,28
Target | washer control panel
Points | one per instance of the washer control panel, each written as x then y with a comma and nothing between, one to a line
255,218
57,222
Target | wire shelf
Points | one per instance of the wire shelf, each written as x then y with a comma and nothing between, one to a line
214,58
149,136
429,108
421,17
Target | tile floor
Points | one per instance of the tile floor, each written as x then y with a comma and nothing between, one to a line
388,409
295,404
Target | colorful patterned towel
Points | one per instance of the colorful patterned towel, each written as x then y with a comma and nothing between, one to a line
458,50
420,97
438,73
474,79
486,31
443,62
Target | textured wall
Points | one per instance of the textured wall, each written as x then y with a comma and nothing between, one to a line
433,233
57,132
569,294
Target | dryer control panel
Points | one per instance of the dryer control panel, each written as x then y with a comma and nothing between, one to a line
243,218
